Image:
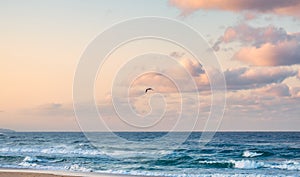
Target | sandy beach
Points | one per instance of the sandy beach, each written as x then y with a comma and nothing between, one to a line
27,174
42,173
24,173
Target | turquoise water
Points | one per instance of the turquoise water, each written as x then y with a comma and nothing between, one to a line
228,154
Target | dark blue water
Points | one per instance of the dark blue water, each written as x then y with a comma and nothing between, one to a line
227,154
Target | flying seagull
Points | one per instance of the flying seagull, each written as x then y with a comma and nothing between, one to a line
147,89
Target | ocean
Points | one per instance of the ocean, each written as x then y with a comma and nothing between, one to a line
227,154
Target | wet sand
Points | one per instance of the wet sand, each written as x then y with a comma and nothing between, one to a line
28,174
41,173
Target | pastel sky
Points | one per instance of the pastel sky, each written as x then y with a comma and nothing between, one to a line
257,43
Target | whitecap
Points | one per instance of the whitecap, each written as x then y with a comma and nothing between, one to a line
76,167
28,162
31,159
286,165
247,164
251,154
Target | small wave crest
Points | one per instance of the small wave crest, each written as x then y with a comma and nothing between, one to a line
29,162
61,150
247,164
31,159
240,164
251,154
174,174
286,165
251,164
76,167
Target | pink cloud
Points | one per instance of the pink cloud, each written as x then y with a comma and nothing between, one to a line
298,75
192,66
274,90
282,53
196,70
249,16
242,78
263,46
248,35
295,91
236,79
229,35
279,7
182,73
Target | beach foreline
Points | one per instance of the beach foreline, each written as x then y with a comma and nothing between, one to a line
7,172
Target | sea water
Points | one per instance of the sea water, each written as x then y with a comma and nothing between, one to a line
227,154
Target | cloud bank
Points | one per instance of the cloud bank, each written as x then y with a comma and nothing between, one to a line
240,78
279,7
256,77
274,90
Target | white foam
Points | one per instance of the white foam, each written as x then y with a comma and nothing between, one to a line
29,165
250,164
246,164
76,167
147,173
17,150
240,175
286,165
251,154
64,150
31,159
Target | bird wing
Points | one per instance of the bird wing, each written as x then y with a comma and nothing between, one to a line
148,89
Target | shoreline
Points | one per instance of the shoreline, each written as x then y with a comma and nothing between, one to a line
15,172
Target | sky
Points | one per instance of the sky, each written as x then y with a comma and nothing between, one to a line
257,44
